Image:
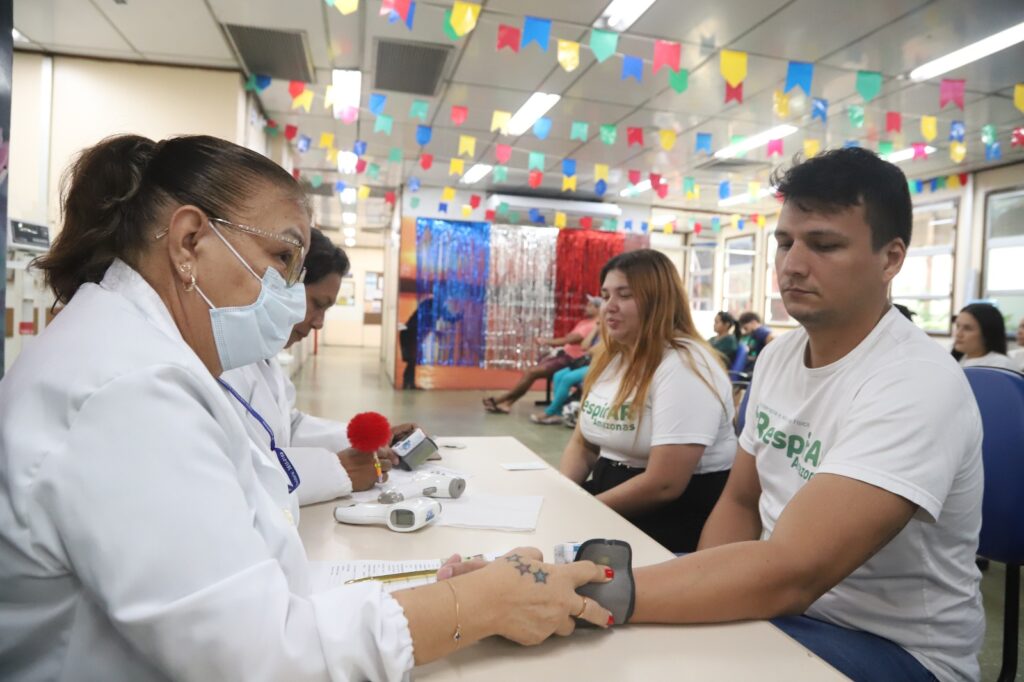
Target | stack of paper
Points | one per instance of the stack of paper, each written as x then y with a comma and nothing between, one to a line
494,512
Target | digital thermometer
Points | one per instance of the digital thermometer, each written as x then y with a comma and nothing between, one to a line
401,517
433,484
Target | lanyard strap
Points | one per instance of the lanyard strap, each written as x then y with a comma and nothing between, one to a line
282,458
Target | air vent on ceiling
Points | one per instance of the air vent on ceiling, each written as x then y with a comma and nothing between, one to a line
732,165
410,67
278,54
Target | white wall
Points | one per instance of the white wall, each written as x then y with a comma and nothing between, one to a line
343,325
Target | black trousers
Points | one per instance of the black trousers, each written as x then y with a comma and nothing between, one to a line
676,525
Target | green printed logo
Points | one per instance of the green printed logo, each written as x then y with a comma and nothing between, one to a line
602,415
801,450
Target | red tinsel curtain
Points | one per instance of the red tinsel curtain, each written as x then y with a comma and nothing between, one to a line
581,255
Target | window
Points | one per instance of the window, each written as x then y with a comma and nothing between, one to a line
1003,282
701,276
925,284
774,310
738,289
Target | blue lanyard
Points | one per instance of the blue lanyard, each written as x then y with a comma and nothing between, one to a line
286,464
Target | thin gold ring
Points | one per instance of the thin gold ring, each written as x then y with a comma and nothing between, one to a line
582,609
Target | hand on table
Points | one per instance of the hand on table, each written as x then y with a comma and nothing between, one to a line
360,467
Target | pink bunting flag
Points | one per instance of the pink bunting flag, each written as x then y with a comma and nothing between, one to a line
489,215
666,53
535,178
503,152
951,90
734,93
893,122
634,176
360,165
508,36
775,147
399,7
349,114
661,190
459,115
634,136
474,201
919,150
426,161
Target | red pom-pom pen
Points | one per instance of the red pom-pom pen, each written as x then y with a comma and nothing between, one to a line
368,432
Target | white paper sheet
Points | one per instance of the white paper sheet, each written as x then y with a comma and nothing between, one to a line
325,575
524,466
493,512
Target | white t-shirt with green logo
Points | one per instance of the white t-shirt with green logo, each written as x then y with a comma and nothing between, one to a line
897,413
680,410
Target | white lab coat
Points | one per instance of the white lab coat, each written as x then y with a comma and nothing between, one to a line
311,443
142,536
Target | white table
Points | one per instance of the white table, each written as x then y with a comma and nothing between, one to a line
736,651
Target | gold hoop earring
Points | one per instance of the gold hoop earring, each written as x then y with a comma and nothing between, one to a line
191,286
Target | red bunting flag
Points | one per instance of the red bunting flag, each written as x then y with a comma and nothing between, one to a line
666,53
290,132
400,7
535,178
951,90
296,88
634,176
474,200
586,222
295,173
508,36
893,122
962,177
734,93
489,215
661,190
655,179
360,165
503,152
389,197
634,136
1017,137
459,115
697,228
426,161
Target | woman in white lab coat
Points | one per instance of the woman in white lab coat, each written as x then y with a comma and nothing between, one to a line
317,447
143,535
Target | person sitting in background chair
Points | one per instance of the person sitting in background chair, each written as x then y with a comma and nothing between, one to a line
979,337
571,349
566,379
725,338
754,334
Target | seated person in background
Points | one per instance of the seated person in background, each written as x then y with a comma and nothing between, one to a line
724,340
571,349
1018,353
655,429
852,512
754,334
979,337
318,448
566,379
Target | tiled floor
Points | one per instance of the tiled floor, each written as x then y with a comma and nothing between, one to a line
340,382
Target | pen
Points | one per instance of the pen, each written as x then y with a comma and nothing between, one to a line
377,468
392,577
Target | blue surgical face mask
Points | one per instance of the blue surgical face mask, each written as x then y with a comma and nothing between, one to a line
258,331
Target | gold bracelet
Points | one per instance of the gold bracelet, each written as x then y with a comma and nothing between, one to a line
457,635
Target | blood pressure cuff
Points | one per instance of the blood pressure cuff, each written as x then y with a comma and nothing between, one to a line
619,594
414,450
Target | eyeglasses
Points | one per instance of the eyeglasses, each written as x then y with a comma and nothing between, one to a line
294,270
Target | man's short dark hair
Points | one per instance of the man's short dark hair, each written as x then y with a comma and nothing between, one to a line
841,178
324,258
748,317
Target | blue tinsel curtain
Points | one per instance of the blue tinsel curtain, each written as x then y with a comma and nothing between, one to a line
452,262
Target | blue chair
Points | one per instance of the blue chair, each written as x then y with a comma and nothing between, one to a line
1000,396
736,373
741,411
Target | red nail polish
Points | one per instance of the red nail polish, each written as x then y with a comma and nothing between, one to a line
609,572
611,620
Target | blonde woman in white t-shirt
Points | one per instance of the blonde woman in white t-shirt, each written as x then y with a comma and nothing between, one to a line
654,434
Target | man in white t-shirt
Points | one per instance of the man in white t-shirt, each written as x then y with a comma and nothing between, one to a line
854,504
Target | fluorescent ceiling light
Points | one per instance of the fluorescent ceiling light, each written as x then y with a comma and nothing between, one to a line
535,107
973,52
476,173
347,87
349,231
906,154
621,14
754,141
638,188
348,196
746,198
350,242
348,218
18,36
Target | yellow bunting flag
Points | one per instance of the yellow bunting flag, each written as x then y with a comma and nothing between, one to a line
363,192
1018,96
329,97
694,193
953,181
734,220
957,151
760,220
733,65
466,210
464,15
600,172
568,54
559,219
332,155
467,145
305,100
929,127
780,103
669,227
455,167
753,189
568,182
326,140
346,6
448,194
499,121
811,148
667,138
